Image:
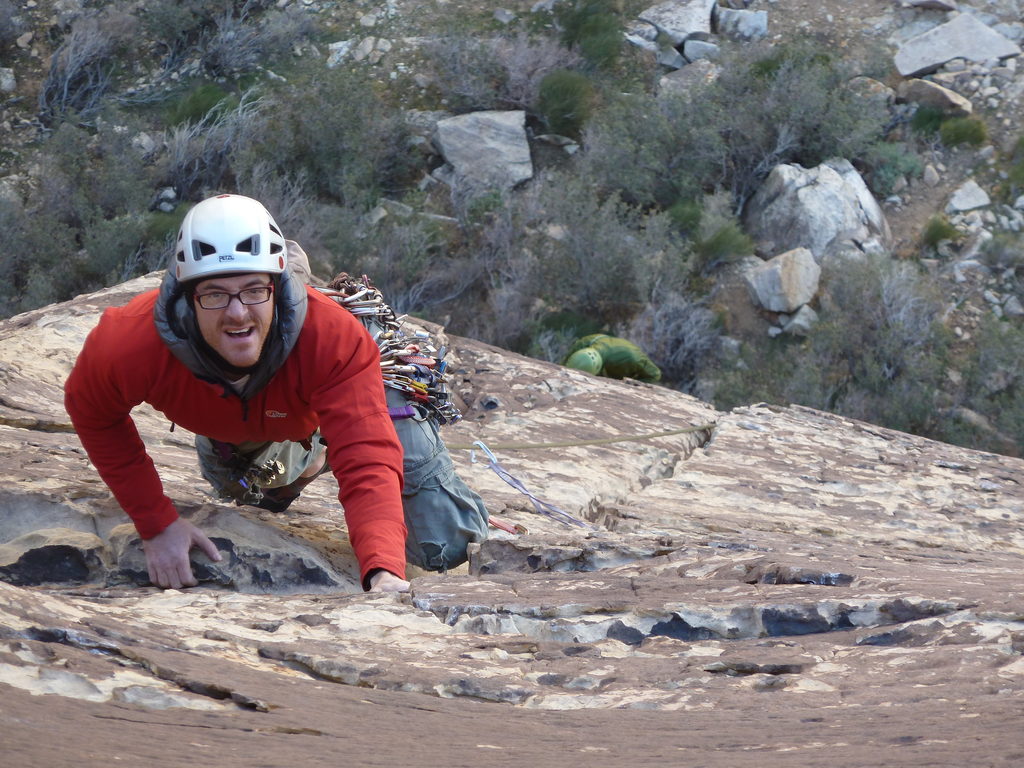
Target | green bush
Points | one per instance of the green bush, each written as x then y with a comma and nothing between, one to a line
565,102
938,229
198,102
994,385
927,120
1004,251
595,28
505,72
679,334
655,151
81,68
769,106
352,148
685,215
877,354
889,161
718,238
1015,174
963,130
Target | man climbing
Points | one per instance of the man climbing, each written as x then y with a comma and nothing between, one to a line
279,383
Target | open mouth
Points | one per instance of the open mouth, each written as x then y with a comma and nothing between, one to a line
240,334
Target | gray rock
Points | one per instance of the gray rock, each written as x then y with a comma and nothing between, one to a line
741,24
967,197
1013,307
934,5
1018,204
487,148
1011,31
802,322
364,49
643,44
826,209
338,52
504,16
699,73
671,58
695,50
786,282
963,37
145,143
872,90
930,176
679,19
933,95
8,83
51,555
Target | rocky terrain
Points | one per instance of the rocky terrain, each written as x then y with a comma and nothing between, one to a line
768,585
764,585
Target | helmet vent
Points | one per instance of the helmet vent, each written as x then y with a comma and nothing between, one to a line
201,249
249,245
276,248
274,229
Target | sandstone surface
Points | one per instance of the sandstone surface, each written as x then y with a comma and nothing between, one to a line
766,586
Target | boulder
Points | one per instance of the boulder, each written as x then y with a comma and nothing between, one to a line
827,209
338,51
872,90
488,149
8,83
741,24
694,75
802,322
695,50
962,37
967,197
929,94
680,19
670,58
786,282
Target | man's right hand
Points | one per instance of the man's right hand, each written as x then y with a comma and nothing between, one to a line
167,554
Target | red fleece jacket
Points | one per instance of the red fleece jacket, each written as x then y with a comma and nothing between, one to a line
331,379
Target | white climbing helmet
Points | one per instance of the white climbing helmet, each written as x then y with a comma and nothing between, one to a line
227,234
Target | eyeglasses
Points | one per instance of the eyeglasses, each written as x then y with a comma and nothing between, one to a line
220,299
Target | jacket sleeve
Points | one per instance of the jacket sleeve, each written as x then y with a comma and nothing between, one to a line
362,448
98,398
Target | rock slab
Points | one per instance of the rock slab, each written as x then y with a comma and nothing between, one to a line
487,148
963,37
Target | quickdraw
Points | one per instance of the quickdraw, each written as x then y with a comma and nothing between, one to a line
411,365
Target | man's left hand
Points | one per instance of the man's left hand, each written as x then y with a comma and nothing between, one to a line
385,581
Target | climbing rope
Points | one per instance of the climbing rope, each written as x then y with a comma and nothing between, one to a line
598,441
542,507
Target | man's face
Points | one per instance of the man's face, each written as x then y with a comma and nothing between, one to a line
237,332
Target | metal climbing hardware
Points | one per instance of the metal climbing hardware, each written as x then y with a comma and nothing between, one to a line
259,476
411,365
542,507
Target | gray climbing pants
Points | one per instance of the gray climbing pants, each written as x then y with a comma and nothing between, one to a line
442,514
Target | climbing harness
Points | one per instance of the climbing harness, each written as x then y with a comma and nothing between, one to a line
411,365
543,507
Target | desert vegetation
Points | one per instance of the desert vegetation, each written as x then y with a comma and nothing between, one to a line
141,113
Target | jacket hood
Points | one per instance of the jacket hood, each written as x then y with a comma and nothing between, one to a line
175,321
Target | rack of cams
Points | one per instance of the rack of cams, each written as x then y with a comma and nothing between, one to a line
412,365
